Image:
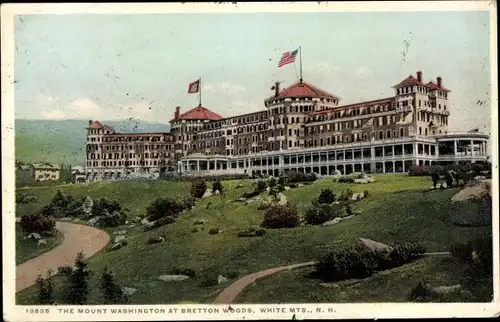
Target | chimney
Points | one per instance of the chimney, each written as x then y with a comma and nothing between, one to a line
419,76
276,89
177,112
439,80
90,122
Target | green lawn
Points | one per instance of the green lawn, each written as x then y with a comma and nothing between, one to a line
396,211
28,248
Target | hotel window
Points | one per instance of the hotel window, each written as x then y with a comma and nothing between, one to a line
380,135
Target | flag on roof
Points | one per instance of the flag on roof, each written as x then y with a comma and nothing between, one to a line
194,87
288,57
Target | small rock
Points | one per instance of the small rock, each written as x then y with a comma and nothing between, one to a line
355,196
216,192
116,246
334,221
241,199
119,239
300,185
126,222
221,279
18,219
121,232
287,188
173,278
93,221
35,236
76,220
240,185
144,221
336,203
131,226
268,189
42,242
199,222
193,208
150,224
208,193
128,290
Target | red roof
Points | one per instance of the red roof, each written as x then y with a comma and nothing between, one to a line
199,113
409,81
355,105
95,125
432,85
303,89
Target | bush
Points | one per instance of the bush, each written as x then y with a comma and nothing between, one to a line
421,293
217,185
435,179
198,188
163,221
348,210
155,240
346,195
449,179
214,231
418,170
477,254
277,216
110,211
346,179
296,177
65,270
293,185
248,195
164,207
361,262
261,186
272,182
366,193
252,232
209,280
326,196
37,223
321,213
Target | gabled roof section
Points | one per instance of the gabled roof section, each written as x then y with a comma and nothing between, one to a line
433,85
409,81
46,166
303,89
199,113
95,125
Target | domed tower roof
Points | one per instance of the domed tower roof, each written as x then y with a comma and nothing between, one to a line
303,89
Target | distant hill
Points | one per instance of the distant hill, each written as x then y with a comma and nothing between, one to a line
64,141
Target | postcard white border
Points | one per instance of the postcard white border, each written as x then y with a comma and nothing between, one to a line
345,311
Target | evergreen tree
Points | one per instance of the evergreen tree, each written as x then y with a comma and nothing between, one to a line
77,283
111,292
45,289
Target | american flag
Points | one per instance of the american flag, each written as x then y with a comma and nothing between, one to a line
288,57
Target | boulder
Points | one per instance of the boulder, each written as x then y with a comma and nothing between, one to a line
355,196
334,221
300,185
172,278
42,242
93,221
208,193
287,188
128,291
34,236
373,245
221,279
199,222
119,238
478,178
150,224
240,185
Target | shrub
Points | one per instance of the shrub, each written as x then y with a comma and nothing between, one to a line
164,207
366,193
293,185
209,280
198,188
326,196
155,240
477,254
65,270
348,210
217,185
110,291
252,232
346,195
282,180
184,271
163,221
37,223
321,213
188,202
277,216
361,262
261,186
272,182
116,218
346,179
76,289
449,179
435,178
214,231
295,177
421,293
45,290
251,194
418,170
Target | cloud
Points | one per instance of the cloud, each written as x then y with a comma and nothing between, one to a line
243,107
363,71
323,67
225,87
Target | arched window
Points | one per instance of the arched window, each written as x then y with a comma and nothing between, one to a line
420,131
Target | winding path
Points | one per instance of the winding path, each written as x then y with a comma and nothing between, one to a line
77,238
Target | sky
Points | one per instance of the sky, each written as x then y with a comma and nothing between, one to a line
119,66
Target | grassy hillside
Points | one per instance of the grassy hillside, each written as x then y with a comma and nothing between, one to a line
64,141
396,211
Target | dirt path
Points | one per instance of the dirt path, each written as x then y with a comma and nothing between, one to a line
77,238
229,293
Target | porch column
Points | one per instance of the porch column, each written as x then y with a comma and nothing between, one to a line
197,165
455,148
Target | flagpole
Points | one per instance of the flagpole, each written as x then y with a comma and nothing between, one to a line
300,58
200,90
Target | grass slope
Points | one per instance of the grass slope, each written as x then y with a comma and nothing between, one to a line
396,211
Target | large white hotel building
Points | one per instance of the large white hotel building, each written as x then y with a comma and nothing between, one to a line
302,128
